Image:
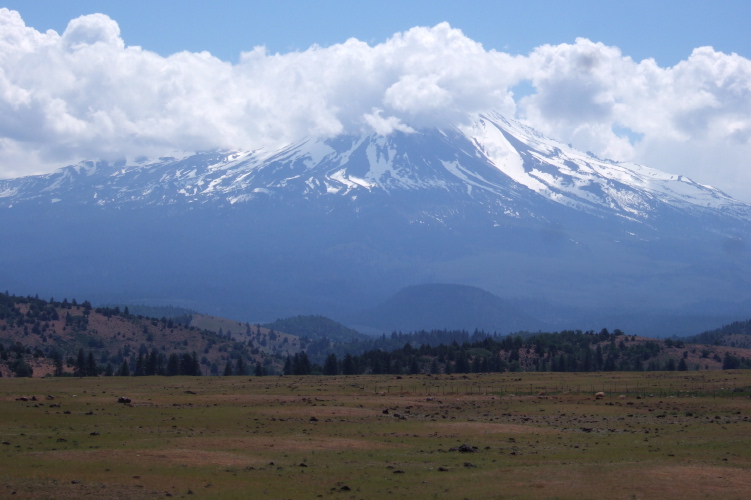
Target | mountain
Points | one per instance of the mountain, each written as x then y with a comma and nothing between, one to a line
445,306
492,161
334,226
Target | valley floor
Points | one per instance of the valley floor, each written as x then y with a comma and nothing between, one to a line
530,435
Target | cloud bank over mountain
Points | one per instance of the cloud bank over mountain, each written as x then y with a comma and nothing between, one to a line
86,94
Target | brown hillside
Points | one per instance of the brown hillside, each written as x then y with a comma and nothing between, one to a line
276,343
114,337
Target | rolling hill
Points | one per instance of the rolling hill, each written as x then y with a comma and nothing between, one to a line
50,334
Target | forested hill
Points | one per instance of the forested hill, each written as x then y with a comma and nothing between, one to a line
737,334
315,327
451,306
43,337
573,351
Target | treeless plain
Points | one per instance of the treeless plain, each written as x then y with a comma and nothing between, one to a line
529,435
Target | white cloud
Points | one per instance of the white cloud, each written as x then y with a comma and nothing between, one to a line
91,30
86,94
387,125
693,118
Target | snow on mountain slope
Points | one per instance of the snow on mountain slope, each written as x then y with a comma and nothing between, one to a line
582,181
492,160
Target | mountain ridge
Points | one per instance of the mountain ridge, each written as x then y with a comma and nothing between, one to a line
504,155
334,226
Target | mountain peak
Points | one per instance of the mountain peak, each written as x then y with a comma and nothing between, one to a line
492,160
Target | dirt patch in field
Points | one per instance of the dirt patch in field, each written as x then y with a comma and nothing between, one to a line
681,481
180,456
629,481
254,399
488,428
284,444
39,487
321,412
718,482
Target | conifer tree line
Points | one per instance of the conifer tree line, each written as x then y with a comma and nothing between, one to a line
151,363
567,351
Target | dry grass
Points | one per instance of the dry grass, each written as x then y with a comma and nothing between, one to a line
672,436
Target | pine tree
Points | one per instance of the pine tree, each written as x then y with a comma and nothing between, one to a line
598,358
139,366
414,368
92,370
124,370
57,359
434,368
173,365
462,364
186,364
330,366
152,363
240,367
195,366
301,364
586,365
348,365
80,369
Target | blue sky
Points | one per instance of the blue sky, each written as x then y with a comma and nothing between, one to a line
621,79
664,30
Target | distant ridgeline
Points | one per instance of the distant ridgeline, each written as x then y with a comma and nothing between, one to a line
737,334
39,338
176,314
51,338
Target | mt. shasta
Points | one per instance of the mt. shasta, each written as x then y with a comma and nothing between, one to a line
335,225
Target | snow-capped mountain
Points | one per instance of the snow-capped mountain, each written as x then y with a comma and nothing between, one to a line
331,225
491,160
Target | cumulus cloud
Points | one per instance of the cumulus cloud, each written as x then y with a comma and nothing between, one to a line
86,94
693,118
386,125
90,30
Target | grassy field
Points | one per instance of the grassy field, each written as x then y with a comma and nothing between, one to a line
533,435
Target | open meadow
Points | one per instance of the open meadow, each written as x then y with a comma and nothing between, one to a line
514,435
